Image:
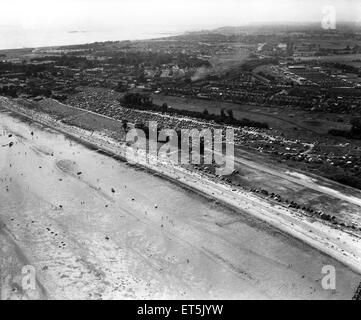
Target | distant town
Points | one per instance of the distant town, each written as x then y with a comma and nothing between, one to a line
306,77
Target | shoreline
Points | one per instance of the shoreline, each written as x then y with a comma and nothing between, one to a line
278,217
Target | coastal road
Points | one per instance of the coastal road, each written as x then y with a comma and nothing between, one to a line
96,228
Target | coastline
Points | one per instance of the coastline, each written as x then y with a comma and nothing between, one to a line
338,245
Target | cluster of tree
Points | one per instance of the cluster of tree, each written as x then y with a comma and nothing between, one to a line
14,91
344,67
69,60
344,92
137,99
353,133
6,67
267,76
304,92
9,91
134,58
347,179
144,102
154,59
341,175
184,60
249,65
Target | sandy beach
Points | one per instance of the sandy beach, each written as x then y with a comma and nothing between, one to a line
181,237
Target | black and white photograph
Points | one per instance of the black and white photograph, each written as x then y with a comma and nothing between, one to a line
168,150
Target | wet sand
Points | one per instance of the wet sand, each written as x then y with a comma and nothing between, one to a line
147,239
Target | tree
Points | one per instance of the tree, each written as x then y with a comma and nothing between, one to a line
188,80
164,107
205,112
125,124
356,125
230,113
223,114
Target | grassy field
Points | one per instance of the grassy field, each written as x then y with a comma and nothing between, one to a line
16,53
294,124
80,118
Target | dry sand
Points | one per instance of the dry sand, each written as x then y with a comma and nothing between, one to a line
151,238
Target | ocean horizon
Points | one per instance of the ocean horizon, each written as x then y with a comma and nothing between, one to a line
18,38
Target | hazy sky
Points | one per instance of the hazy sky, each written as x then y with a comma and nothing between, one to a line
134,16
107,13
